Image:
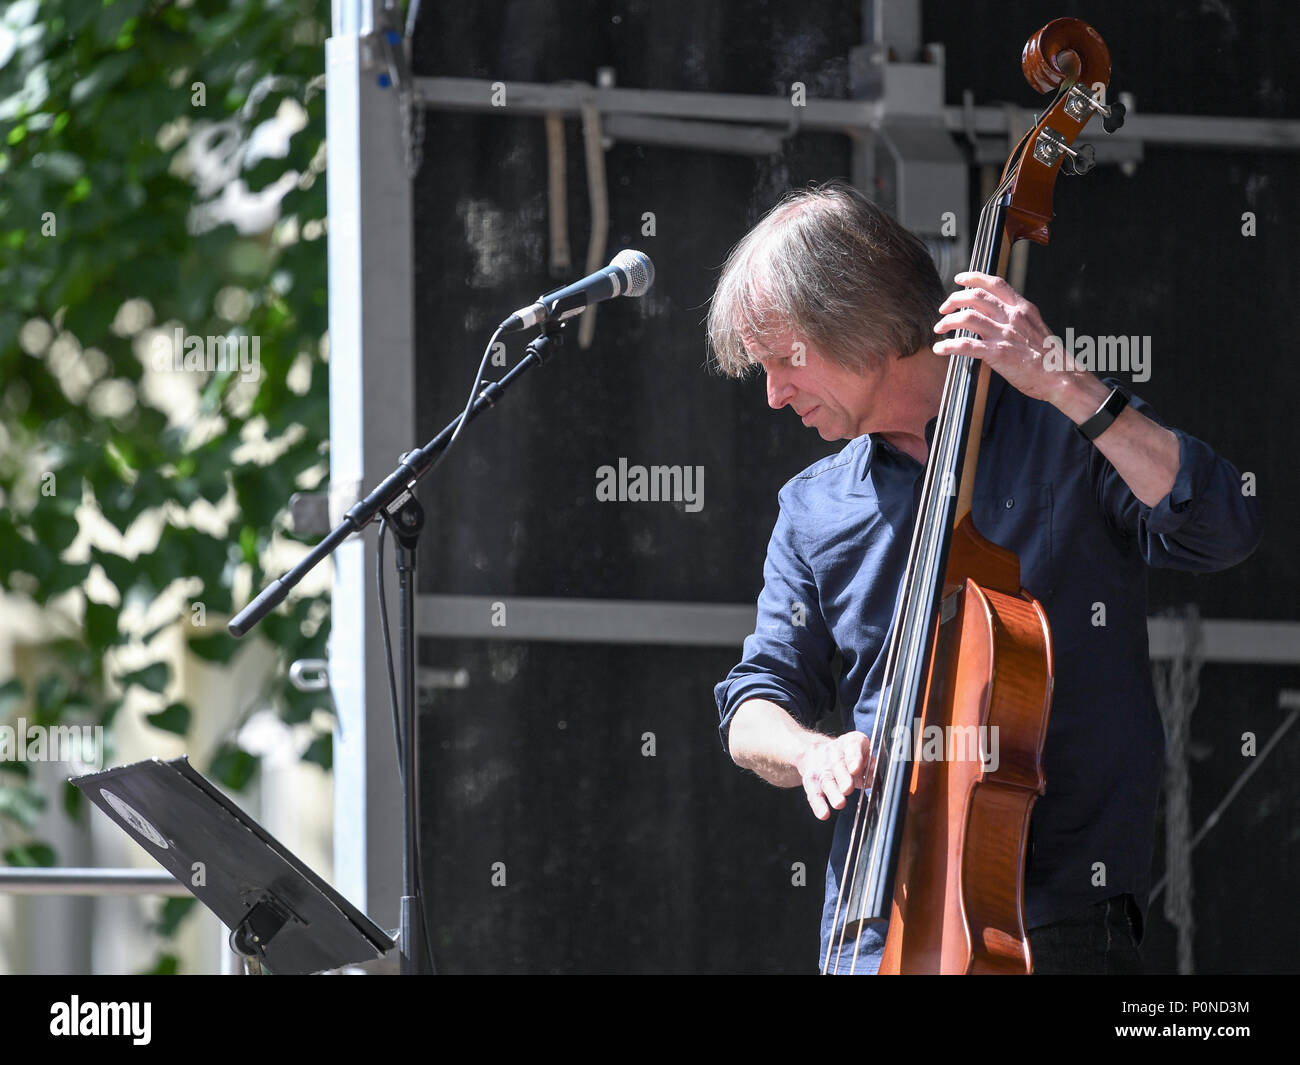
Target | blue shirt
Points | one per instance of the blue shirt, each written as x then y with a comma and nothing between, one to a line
1044,491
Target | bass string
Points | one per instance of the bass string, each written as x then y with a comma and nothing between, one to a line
923,556
948,431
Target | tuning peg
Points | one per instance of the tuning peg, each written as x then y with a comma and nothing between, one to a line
1080,102
1078,161
1113,116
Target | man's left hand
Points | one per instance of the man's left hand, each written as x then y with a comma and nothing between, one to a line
1010,335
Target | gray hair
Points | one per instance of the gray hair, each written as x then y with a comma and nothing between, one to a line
836,270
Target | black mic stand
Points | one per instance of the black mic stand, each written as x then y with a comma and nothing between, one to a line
394,497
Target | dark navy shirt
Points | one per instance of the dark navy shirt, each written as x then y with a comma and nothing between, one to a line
1045,492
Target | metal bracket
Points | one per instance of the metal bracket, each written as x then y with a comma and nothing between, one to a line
1048,146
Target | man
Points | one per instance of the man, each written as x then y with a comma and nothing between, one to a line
841,308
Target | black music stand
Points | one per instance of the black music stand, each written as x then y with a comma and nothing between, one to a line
282,915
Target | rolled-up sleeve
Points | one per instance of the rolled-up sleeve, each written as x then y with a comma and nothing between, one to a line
1208,521
788,658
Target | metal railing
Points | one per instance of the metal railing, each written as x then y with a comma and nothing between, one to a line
96,882
71,881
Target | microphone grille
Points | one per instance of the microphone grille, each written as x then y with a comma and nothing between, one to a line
639,269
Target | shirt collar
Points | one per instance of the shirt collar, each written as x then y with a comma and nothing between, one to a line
997,386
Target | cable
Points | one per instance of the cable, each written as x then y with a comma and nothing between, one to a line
469,403
425,926
388,641
397,726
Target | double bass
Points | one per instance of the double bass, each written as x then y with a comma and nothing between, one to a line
938,846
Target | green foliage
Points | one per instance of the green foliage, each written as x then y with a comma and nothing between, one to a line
152,678
11,697
174,911
101,204
164,964
321,751
233,767
32,854
21,804
175,718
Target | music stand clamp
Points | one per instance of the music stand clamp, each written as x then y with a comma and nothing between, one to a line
250,938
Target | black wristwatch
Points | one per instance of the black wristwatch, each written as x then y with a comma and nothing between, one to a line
1105,416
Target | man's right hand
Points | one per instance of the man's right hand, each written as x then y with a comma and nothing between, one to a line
831,767
765,738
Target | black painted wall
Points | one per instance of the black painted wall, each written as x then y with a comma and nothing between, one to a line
680,862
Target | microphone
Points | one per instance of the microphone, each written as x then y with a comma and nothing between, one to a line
630,273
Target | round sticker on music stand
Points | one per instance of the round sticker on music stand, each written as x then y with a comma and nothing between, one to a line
133,818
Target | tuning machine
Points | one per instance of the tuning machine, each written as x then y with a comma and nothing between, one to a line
1078,161
1080,102
1050,146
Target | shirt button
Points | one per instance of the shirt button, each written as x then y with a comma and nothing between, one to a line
1009,503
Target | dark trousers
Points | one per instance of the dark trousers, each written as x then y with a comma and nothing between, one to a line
1100,941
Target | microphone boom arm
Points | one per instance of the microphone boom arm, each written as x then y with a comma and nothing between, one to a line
393,490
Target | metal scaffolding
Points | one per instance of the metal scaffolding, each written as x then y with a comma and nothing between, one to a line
900,131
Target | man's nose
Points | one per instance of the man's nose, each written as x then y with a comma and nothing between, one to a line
778,390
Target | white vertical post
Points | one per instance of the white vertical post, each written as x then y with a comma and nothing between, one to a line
372,421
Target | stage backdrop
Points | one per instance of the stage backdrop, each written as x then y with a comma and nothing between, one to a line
579,812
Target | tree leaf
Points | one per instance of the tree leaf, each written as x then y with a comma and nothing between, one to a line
11,695
153,677
35,854
174,718
233,767
21,804
101,625
73,800
164,964
51,693
321,751
219,647
106,73
174,911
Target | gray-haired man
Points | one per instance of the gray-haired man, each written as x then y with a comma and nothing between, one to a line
841,308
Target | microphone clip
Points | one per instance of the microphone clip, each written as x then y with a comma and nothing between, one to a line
547,342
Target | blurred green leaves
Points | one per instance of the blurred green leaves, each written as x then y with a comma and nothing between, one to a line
174,910
21,805
34,854
233,767
175,718
98,206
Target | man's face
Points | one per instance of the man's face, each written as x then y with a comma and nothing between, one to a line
838,403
